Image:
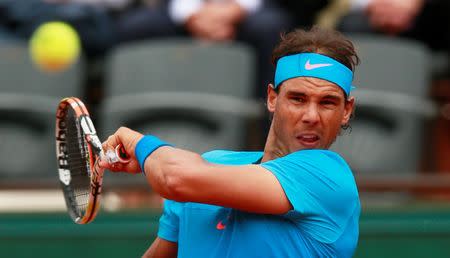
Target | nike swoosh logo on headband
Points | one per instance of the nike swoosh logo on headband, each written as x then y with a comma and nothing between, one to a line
309,66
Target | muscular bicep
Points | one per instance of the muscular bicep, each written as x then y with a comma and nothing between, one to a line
161,248
250,188
186,177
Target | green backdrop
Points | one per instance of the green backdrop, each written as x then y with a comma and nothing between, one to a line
383,234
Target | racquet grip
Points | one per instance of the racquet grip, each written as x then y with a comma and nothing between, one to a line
121,154
117,155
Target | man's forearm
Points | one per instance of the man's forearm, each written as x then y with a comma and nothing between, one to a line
168,171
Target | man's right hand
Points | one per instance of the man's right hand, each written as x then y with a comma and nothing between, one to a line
128,138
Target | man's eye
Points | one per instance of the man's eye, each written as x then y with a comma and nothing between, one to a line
299,100
328,103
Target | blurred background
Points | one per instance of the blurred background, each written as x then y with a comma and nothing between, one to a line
195,74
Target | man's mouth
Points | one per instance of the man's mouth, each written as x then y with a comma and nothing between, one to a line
308,140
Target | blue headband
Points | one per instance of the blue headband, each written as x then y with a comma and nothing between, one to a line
313,65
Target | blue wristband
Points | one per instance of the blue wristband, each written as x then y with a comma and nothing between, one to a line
146,146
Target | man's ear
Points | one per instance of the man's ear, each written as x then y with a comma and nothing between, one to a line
348,110
271,98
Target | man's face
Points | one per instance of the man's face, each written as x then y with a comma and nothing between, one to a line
307,114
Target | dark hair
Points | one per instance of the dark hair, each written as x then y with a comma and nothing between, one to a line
317,40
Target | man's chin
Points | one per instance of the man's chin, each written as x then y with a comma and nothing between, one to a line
308,148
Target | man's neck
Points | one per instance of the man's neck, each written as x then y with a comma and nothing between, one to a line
272,149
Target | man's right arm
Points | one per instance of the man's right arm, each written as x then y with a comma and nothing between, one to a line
161,248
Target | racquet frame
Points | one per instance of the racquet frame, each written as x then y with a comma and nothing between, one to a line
94,152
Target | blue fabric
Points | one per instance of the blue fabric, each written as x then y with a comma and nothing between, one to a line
323,222
313,65
146,146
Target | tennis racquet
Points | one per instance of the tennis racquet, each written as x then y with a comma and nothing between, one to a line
78,150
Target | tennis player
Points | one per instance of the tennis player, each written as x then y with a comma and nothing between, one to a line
294,199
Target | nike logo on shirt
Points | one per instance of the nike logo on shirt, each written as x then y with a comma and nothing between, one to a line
309,66
220,226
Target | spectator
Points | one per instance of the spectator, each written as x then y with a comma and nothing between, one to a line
424,20
19,19
254,22
304,12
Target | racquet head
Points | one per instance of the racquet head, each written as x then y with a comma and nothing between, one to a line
77,150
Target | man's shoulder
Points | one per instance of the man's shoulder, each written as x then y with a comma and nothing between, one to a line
228,157
315,161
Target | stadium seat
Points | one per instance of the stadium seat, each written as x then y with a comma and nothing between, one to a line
392,105
28,101
195,95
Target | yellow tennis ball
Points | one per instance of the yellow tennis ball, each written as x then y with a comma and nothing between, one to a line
54,46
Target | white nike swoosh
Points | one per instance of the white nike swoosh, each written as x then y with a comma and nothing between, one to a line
309,66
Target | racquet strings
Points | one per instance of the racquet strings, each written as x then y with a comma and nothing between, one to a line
78,162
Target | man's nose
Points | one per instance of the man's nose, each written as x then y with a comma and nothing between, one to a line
311,115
